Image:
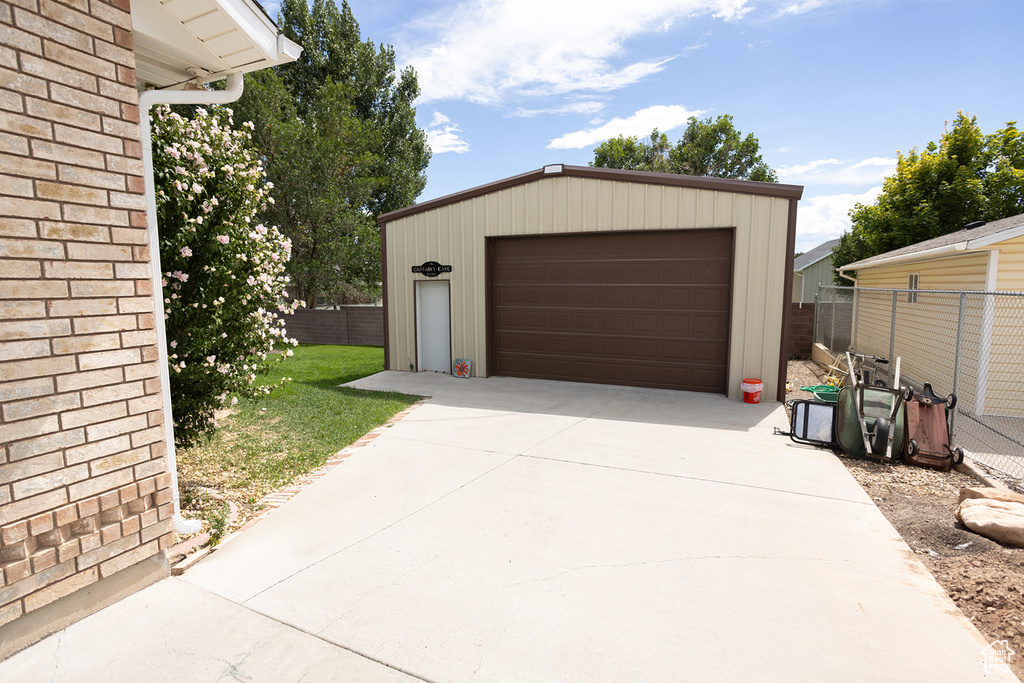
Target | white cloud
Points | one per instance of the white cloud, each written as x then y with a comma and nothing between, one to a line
588,107
836,172
802,7
825,217
484,50
663,117
443,136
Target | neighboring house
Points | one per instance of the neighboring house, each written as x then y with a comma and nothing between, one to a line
812,269
87,494
596,275
987,258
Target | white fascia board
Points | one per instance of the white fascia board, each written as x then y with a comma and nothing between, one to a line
1001,236
255,23
917,255
966,245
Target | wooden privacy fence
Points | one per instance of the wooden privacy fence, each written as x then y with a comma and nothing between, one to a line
351,325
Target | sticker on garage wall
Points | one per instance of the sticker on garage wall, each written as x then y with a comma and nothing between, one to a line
431,269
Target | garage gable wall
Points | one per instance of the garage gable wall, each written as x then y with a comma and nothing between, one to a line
455,234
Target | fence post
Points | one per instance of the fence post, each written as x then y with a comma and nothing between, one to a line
892,338
832,329
853,322
956,360
817,312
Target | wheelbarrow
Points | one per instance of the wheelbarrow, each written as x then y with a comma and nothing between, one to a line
871,420
928,430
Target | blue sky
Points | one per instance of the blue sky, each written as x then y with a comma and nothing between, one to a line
832,88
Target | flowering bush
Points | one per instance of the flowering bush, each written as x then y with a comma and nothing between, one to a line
223,275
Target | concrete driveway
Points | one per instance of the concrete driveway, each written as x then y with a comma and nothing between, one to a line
527,530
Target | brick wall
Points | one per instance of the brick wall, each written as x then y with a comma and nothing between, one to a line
801,330
84,489
355,325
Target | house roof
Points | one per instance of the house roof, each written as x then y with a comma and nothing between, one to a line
556,170
176,40
814,255
961,240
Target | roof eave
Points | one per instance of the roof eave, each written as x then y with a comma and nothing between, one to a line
556,170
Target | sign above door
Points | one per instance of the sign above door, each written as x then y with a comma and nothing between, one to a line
431,269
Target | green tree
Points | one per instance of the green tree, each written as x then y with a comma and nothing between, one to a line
338,133
965,177
712,148
319,166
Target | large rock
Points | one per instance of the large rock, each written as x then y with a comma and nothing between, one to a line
1000,520
990,493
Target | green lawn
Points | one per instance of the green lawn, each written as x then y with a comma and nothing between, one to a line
266,444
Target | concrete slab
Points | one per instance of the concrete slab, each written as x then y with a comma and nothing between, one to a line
174,632
513,529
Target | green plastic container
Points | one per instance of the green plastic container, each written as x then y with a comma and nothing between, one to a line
824,392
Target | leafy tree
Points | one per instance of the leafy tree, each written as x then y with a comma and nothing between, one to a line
712,148
338,133
965,177
223,275
319,165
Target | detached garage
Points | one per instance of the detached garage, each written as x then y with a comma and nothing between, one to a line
595,275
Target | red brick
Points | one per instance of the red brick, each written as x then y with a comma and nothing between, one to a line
69,550
109,500
110,533
90,542
40,524
14,533
66,515
88,508
130,526
13,573
43,559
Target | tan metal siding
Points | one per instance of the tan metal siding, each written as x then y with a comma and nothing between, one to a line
455,234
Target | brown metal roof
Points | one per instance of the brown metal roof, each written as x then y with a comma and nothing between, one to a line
556,170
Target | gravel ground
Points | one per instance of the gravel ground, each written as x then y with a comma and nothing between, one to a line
984,579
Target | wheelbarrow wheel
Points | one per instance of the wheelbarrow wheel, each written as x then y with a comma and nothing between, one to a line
958,455
912,448
880,438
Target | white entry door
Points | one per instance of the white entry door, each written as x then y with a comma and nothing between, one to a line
433,326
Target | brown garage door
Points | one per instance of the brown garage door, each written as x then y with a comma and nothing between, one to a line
644,309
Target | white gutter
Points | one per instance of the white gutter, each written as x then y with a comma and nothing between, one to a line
926,254
966,245
147,100
801,276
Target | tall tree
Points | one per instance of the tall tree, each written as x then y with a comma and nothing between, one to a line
965,177
707,147
339,138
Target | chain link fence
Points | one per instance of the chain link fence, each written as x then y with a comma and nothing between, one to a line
966,343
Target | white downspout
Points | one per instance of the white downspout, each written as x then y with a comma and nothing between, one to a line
147,100
987,321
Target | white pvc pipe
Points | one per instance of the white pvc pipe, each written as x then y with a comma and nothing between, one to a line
147,100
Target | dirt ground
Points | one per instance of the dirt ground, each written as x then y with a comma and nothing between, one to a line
984,579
